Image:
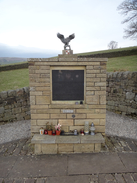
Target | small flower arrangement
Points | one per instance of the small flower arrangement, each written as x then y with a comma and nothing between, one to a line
58,127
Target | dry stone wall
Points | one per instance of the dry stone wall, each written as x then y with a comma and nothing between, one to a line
13,67
14,105
122,92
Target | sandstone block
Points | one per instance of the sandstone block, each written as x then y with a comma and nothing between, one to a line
90,75
47,111
100,84
102,99
90,111
43,122
77,116
65,148
97,147
92,99
44,75
39,116
92,71
84,148
33,111
58,116
44,80
100,92
33,122
103,79
65,128
35,128
100,67
42,88
90,92
38,149
97,106
34,93
34,84
39,106
103,88
67,106
100,129
34,75
33,67
32,100
102,122
93,79
42,71
96,116
92,88
101,75
89,67
49,148
44,67
46,93
42,100
89,84
65,122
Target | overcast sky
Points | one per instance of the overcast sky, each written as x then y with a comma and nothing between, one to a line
28,28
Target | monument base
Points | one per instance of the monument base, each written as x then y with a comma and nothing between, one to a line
58,144
67,52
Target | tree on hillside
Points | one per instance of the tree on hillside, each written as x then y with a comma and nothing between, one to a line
128,8
112,45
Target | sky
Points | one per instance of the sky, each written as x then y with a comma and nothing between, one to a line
28,28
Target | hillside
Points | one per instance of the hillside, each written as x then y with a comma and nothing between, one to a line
134,48
10,60
13,79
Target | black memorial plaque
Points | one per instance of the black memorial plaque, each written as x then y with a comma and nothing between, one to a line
67,85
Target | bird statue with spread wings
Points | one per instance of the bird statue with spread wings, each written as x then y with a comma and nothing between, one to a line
66,40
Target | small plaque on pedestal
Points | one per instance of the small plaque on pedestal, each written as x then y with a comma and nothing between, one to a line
67,52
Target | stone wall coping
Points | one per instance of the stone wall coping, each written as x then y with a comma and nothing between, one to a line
69,58
50,139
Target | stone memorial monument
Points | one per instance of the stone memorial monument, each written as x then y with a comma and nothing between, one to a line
68,90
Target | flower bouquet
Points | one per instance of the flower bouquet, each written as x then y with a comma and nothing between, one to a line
58,129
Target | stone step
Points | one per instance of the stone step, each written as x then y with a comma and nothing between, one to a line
49,144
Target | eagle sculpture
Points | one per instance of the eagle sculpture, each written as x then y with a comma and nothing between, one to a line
66,40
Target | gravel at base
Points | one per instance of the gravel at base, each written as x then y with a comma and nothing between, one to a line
122,126
116,125
14,131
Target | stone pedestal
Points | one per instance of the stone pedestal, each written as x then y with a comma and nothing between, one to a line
67,52
48,144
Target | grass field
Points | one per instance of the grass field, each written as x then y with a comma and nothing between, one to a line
128,63
14,79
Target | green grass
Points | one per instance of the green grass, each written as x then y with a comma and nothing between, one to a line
14,79
128,63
